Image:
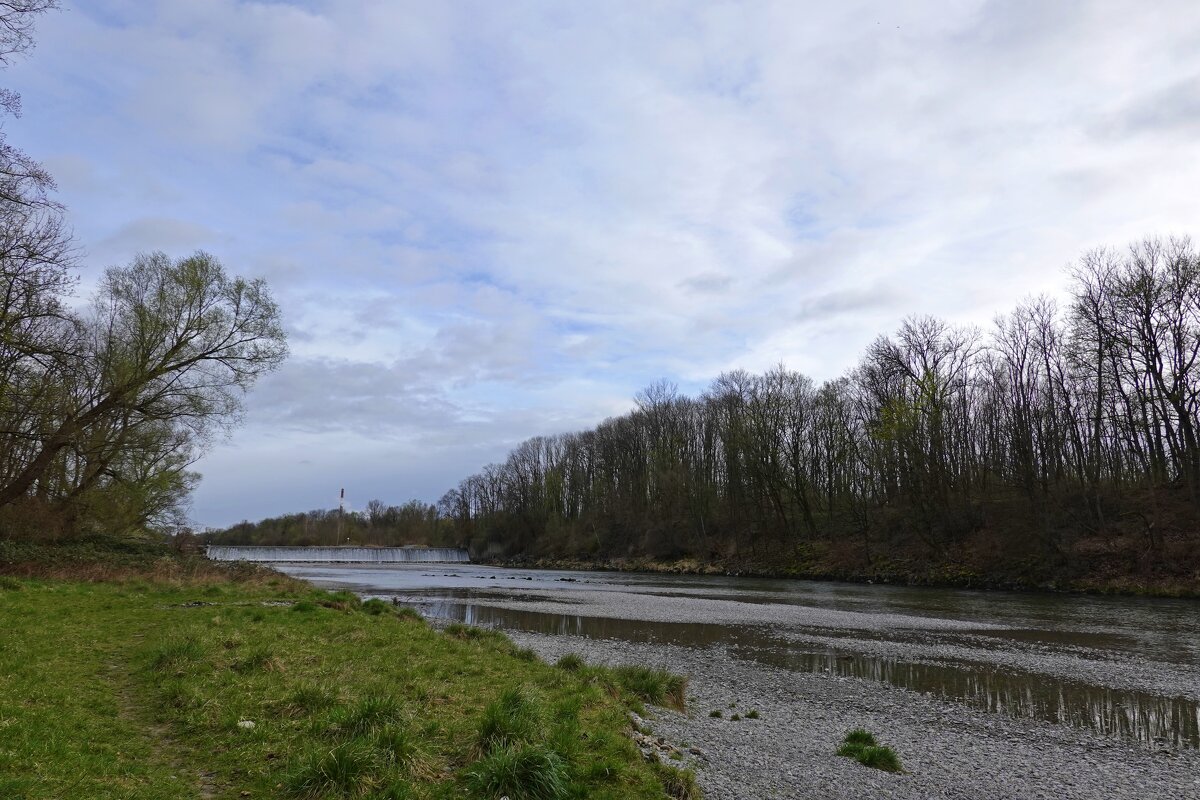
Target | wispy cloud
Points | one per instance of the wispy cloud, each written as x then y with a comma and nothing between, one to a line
486,221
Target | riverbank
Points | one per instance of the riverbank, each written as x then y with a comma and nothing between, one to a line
753,731
145,675
886,572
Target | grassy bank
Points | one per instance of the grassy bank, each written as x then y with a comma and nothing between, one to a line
183,683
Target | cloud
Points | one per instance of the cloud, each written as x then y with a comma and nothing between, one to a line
485,222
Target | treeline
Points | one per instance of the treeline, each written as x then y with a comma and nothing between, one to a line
379,524
1061,441
104,407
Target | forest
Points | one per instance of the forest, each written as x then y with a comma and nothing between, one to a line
1060,444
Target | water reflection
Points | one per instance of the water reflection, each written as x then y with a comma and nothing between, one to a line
1136,715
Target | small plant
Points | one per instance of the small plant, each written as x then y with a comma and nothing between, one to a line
514,718
652,685
402,747
716,713
308,697
471,633
532,772
260,659
409,613
175,653
338,601
679,784
736,718
8,584
860,745
375,607
336,772
525,654
304,607
752,714
370,714
571,662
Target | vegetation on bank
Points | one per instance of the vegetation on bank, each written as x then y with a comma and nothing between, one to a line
860,745
178,681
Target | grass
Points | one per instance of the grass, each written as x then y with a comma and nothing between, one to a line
134,687
860,745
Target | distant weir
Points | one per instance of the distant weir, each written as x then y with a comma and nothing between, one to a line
341,555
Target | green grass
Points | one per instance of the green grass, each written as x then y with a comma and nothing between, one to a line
133,689
571,662
860,745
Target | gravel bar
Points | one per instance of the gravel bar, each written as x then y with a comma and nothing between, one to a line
949,750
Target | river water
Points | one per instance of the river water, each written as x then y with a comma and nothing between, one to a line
1121,667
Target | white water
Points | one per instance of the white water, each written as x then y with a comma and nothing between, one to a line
344,555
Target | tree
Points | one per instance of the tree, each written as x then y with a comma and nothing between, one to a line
168,345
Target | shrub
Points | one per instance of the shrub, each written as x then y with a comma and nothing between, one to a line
716,713
532,772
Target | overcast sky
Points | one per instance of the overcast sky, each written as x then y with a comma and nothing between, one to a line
487,221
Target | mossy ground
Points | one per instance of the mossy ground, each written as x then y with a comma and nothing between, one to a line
141,689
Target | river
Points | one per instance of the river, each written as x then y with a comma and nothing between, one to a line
1117,672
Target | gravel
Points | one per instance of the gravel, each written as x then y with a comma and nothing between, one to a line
948,750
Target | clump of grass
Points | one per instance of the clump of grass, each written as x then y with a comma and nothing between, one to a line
752,714
735,718
304,607
860,745
373,712
396,790
515,717
309,697
530,772
409,613
375,607
404,748
525,654
571,662
340,771
177,652
8,584
180,695
260,659
339,601
472,633
716,713
655,686
679,784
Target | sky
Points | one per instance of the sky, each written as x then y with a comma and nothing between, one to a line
488,221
